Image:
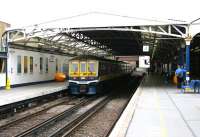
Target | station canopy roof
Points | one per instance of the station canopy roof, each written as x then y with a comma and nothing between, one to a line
101,19
101,34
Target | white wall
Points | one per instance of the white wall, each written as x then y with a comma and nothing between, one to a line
2,79
18,78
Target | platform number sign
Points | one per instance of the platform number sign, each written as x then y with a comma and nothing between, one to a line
145,48
144,61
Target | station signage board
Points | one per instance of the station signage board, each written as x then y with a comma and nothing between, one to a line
145,48
144,61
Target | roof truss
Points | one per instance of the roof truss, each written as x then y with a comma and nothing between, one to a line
72,41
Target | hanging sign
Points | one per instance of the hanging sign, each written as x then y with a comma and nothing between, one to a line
145,48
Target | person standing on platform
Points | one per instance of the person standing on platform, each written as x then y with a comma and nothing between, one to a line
180,73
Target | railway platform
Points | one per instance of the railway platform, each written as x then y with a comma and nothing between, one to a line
23,93
159,110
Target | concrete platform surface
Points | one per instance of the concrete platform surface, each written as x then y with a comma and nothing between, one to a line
161,111
27,92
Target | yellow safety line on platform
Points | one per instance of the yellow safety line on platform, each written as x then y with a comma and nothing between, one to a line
164,132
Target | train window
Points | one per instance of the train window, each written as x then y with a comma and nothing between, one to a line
41,64
31,64
19,64
91,67
25,64
102,68
74,67
83,66
47,65
56,65
2,65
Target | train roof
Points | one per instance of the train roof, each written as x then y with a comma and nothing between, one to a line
84,57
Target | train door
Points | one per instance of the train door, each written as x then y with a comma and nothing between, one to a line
66,68
2,72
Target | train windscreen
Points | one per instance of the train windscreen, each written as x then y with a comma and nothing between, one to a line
92,68
74,67
83,67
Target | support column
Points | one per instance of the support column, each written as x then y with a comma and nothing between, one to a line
181,56
187,60
7,64
187,55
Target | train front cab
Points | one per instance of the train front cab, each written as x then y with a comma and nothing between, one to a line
83,77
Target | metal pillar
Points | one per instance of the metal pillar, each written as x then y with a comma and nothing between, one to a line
7,87
187,60
187,57
181,57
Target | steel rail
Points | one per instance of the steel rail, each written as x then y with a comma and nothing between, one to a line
67,129
48,122
16,121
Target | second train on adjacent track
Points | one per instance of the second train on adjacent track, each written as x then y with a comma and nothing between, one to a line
90,75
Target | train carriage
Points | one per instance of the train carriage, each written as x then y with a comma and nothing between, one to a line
29,66
90,75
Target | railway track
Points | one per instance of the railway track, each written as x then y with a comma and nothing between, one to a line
65,130
64,123
57,120
13,109
31,112
102,123
22,125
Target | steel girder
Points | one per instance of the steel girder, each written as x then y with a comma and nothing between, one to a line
65,36
85,39
56,41
174,30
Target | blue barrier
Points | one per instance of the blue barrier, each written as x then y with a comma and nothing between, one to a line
194,84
